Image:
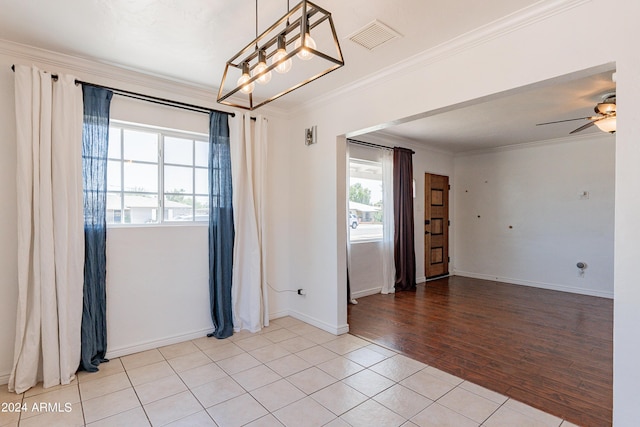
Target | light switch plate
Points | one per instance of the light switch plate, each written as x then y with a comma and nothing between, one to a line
311,135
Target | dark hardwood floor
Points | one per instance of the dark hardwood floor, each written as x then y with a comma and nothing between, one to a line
552,350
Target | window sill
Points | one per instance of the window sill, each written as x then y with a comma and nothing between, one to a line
356,242
161,225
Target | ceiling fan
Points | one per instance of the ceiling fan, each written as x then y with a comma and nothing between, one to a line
605,118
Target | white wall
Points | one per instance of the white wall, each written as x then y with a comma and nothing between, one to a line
426,160
365,275
555,40
157,286
626,318
520,219
523,49
366,257
157,282
157,276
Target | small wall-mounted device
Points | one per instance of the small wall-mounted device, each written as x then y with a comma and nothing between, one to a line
311,135
581,267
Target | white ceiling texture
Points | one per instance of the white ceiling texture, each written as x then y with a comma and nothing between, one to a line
190,41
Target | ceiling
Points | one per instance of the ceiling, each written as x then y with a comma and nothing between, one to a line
190,41
508,118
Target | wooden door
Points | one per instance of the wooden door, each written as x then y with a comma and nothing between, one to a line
436,225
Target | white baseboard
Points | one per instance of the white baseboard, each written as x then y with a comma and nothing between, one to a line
149,345
373,291
278,314
138,347
437,278
336,330
365,292
550,286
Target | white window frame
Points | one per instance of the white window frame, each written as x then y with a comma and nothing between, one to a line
162,133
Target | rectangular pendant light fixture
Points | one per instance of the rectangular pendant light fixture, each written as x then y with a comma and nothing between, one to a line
299,48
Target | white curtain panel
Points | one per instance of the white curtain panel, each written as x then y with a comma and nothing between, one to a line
50,229
388,263
248,173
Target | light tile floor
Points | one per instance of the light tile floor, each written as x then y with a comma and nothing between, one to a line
290,374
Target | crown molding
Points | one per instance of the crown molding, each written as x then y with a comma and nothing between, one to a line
127,78
389,140
530,15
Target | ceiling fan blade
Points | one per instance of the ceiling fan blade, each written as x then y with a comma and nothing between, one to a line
583,127
567,120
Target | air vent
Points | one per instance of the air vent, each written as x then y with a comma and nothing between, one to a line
373,34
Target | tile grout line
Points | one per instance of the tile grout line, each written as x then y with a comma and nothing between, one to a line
497,409
562,420
84,419
185,384
341,347
126,372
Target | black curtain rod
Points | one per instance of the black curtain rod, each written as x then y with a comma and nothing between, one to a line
149,98
156,100
369,144
372,145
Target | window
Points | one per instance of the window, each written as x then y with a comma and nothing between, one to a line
365,200
156,176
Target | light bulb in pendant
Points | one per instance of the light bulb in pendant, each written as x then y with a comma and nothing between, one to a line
242,81
285,66
305,54
262,65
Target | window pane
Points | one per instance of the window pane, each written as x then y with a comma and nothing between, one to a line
365,200
114,143
140,159
114,181
178,208
140,208
178,151
202,208
202,153
178,179
114,208
141,146
202,181
140,177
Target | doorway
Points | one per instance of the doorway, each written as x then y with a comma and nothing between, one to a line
436,225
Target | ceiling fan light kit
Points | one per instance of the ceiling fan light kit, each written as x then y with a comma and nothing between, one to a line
274,50
605,118
608,124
